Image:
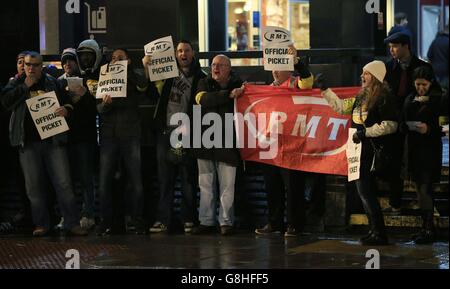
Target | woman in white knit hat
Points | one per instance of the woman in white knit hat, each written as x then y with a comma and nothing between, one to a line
374,116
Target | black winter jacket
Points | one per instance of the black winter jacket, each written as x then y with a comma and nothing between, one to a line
393,75
216,100
121,118
424,157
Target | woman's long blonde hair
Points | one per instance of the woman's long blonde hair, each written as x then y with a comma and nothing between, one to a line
369,95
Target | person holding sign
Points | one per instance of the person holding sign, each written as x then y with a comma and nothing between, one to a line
82,143
374,116
282,184
120,132
175,95
424,144
301,78
280,181
41,157
162,62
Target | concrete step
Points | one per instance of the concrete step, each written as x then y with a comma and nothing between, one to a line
439,189
400,221
410,205
408,202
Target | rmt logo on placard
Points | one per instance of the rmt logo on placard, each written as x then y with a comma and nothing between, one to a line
114,69
44,103
159,46
277,36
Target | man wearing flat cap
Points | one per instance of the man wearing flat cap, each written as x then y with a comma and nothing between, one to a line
399,76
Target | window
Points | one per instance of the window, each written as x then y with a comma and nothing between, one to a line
246,19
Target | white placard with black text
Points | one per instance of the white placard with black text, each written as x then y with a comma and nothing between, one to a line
113,80
163,64
42,109
353,156
275,49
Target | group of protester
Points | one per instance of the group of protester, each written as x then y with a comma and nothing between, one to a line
392,95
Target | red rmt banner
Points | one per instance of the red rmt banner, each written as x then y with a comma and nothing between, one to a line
292,128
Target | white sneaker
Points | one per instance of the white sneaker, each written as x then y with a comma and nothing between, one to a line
60,226
158,227
188,227
87,223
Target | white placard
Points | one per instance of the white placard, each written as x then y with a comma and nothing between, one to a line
353,156
113,80
74,82
42,109
163,64
275,52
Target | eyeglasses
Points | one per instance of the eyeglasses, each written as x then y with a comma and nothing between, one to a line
220,65
33,64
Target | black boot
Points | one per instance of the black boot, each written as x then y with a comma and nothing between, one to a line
427,234
376,239
377,234
366,236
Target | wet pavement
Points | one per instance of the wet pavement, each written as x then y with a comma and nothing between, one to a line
241,251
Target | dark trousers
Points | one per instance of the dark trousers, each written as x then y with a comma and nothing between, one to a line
315,192
285,186
424,195
364,186
113,150
394,177
82,164
167,172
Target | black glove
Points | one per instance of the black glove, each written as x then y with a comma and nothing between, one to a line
321,82
301,68
359,135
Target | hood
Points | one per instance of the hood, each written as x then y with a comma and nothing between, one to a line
90,45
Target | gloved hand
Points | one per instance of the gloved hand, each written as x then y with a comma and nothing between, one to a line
301,67
359,135
320,82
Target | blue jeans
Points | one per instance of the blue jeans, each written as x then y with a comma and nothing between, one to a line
112,151
166,180
39,159
208,174
82,164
